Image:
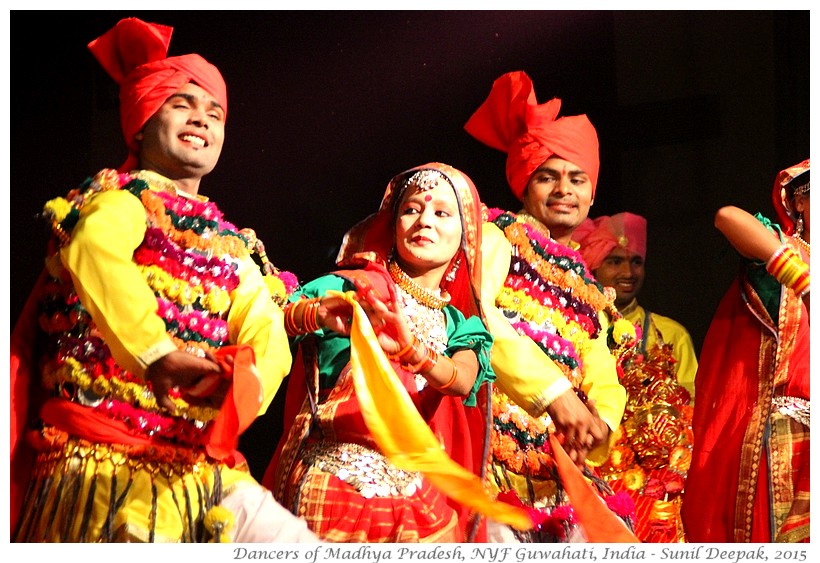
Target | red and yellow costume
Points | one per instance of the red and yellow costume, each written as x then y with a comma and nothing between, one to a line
544,309
331,468
651,455
136,270
749,478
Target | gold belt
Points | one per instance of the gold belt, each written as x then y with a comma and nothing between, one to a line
366,470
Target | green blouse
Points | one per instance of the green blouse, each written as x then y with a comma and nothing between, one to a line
333,349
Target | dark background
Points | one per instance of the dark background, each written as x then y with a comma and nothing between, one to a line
694,110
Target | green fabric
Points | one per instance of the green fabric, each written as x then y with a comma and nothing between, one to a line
765,285
334,349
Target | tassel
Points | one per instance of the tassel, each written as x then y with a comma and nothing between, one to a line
191,523
218,523
202,502
106,533
73,500
186,534
153,520
89,505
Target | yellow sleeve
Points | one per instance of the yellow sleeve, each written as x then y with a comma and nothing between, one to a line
254,319
110,285
523,372
687,364
682,348
602,386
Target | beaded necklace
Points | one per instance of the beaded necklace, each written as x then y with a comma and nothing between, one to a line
420,294
804,244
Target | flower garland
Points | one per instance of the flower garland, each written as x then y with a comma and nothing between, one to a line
189,257
215,300
557,522
552,298
167,213
104,384
191,324
520,442
561,265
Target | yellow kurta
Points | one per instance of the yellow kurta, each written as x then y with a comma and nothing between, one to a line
113,289
523,371
673,333
164,490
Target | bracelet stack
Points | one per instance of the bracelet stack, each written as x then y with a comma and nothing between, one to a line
308,321
786,266
428,360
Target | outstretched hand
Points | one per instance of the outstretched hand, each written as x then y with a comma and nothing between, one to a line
185,371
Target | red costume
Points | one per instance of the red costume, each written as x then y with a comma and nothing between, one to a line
750,464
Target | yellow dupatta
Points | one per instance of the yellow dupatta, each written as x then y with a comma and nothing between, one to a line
401,433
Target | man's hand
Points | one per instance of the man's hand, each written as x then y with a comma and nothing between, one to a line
182,370
579,427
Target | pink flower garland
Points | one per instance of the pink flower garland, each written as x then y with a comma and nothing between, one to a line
200,322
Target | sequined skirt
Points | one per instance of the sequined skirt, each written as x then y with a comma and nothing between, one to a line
350,493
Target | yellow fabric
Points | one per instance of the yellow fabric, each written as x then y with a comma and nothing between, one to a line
527,375
111,287
401,433
176,489
109,283
255,320
673,333
523,372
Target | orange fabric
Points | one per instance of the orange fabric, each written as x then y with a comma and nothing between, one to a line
600,524
240,407
134,53
25,396
512,121
598,237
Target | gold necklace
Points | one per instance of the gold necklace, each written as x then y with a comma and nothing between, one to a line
420,294
806,246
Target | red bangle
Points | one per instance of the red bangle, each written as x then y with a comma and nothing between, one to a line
452,378
400,355
290,324
425,364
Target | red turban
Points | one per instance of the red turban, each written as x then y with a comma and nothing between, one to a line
598,237
783,192
512,121
134,53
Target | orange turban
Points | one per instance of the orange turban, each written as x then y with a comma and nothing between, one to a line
134,53
598,237
512,121
783,192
